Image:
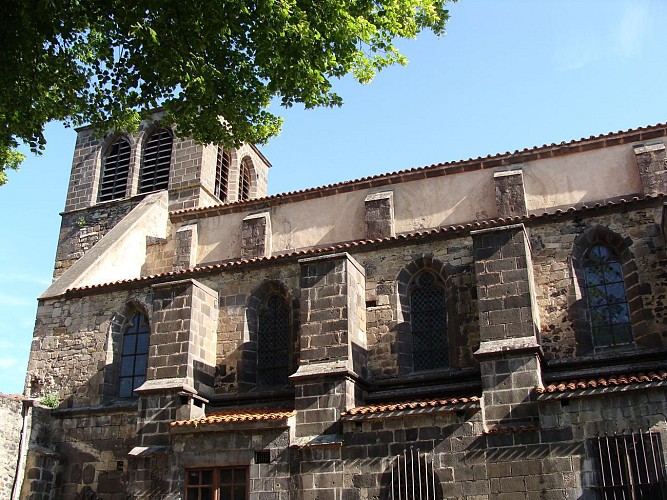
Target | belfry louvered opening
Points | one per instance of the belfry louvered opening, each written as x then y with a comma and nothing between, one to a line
156,162
630,466
244,179
115,171
222,174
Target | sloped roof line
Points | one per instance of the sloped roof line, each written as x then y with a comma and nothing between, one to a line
237,415
410,405
446,168
357,244
603,381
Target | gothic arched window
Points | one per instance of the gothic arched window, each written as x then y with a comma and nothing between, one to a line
222,174
115,171
428,321
273,342
606,296
134,356
244,179
156,162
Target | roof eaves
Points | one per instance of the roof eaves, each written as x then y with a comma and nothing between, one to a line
368,243
448,168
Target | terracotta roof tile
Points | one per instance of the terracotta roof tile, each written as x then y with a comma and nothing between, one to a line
241,415
452,167
414,405
427,233
601,382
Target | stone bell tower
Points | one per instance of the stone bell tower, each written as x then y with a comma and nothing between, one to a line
112,174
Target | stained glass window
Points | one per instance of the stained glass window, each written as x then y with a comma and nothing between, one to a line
429,323
273,340
607,301
134,356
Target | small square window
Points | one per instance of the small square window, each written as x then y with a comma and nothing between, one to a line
263,456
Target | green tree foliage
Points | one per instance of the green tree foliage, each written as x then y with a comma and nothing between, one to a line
107,62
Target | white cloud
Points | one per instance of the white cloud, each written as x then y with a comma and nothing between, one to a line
17,300
635,24
576,52
25,278
7,362
621,33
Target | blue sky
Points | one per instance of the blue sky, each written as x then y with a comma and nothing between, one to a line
508,75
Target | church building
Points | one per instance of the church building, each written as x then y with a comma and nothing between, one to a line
494,328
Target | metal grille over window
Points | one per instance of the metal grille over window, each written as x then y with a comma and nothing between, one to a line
134,357
222,174
263,456
273,340
244,180
115,171
607,301
156,162
413,478
428,319
630,466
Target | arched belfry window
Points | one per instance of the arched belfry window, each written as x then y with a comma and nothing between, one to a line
156,162
606,298
428,322
115,170
222,174
134,355
244,179
273,342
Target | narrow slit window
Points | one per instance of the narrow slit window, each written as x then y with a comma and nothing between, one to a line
134,356
156,162
222,174
607,300
115,171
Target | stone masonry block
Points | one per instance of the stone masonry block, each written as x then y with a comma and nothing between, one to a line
379,215
651,163
510,192
256,236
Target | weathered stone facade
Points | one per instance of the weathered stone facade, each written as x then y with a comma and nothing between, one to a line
11,415
319,344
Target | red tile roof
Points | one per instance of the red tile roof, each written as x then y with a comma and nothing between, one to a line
447,168
242,415
414,405
369,243
601,382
